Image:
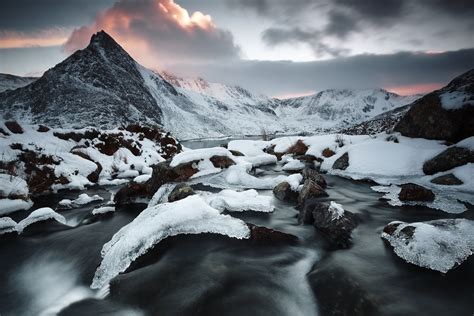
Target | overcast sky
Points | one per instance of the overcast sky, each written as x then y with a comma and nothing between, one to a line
278,47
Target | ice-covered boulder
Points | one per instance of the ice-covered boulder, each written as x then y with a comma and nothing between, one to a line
191,215
7,226
82,199
235,201
439,245
40,215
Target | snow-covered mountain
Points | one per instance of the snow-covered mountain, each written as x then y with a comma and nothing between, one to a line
103,86
335,108
12,82
99,85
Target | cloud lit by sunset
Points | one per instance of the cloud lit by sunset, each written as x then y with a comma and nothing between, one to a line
53,37
157,32
415,89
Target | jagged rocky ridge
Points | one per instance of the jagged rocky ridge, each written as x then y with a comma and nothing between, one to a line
103,86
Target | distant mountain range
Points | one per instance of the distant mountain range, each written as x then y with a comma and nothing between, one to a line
11,82
103,86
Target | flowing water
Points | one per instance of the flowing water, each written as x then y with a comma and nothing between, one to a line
50,271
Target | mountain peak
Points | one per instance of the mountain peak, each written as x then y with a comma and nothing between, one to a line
102,37
103,41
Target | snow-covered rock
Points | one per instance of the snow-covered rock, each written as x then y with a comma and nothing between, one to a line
235,201
439,245
12,186
191,215
82,199
76,158
8,206
103,210
39,215
7,225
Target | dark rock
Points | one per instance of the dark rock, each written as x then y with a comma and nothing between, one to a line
94,176
310,190
312,174
186,170
43,129
130,191
342,162
328,153
14,127
391,228
340,294
271,151
89,134
16,146
180,192
284,192
308,158
162,173
3,132
221,161
337,230
236,153
267,236
447,179
448,159
428,119
110,143
40,171
299,148
415,192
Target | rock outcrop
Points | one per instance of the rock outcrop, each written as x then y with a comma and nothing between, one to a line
446,114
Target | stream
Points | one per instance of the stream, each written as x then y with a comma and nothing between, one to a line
50,271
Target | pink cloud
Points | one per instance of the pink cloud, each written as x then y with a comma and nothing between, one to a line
158,32
415,88
51,37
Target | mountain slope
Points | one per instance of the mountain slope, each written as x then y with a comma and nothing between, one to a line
99,85
336,108
11,82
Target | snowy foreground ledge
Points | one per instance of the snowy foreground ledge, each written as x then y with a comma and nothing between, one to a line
439,245
191,215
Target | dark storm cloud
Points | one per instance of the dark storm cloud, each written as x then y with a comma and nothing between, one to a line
340,24
376,11
453,7
33,15
362,71
276,36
